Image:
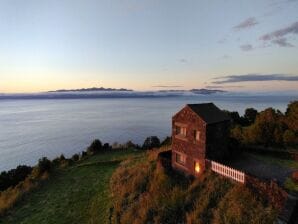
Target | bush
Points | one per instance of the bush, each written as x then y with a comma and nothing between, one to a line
151,142
12,177
96,146
167,141
44,165
106,146
75,157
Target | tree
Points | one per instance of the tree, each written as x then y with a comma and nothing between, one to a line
292,116
106,146
289,138
151,142
167,141
95,146
250,115
129,144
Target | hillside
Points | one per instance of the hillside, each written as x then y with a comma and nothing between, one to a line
74,194
144,192
129,186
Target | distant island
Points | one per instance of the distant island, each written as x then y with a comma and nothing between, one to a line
93,89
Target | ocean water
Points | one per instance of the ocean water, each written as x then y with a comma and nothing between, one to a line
33,128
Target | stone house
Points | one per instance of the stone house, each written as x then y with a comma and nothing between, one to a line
199,132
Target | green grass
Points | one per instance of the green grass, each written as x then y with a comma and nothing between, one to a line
76,194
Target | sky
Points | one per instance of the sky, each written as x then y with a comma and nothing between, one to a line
148,44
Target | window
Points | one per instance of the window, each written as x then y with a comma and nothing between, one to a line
180,130
181,159
196,135
197,167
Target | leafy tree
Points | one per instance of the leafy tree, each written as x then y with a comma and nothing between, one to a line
95,146
129,144
250,115
292,116
289,138
151,142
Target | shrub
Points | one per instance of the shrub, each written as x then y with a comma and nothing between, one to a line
106,146
44,165
75,157
12,177
151,142
167,141
83,154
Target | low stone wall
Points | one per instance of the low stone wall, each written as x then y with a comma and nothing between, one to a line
275,194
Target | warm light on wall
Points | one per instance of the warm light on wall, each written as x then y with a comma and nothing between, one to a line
197,167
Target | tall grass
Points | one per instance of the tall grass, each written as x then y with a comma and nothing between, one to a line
143,192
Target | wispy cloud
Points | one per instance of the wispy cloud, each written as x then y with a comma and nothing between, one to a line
166,86
248,23
183,60
279,36
222,87
246,47
292,29
255,77
282,42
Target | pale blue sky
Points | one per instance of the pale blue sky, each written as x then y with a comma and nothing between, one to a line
46,45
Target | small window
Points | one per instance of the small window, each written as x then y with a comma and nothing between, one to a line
181,159
196,135
180,130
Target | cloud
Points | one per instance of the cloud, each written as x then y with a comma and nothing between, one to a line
222,87
183,60
225,56
166,86
248,23
282,42
254,78
246,47
292,29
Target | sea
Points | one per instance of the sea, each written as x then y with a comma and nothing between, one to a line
31,128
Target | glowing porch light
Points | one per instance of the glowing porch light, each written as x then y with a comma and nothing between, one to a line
197,167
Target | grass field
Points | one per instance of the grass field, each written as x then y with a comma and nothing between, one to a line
76,194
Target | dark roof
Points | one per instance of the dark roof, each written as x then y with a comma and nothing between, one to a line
209,112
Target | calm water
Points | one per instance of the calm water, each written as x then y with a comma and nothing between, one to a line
30,129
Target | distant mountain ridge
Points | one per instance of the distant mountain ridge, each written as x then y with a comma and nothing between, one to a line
89,90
